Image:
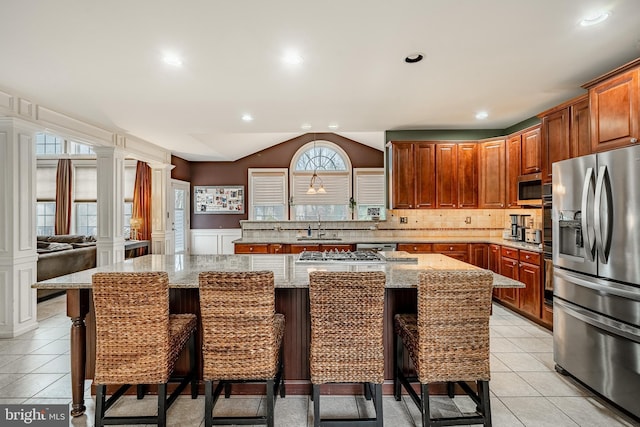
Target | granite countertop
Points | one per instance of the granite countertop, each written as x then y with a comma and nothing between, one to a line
183,270
533,247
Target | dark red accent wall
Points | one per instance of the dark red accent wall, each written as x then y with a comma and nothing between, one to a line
278,156
182,170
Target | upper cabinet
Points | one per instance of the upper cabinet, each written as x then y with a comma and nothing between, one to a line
531,151
492,174
564,133
412,175
432,174
615,108
514,165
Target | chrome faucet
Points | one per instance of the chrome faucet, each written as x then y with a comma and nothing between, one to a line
320,232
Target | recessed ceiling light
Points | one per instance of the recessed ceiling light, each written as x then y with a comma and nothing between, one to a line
333,126
247,117
292,58
306,126
173,60
481,115
594,19
413,58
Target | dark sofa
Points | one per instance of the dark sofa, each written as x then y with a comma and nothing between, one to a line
63,254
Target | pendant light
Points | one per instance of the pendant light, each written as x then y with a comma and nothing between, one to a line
315,178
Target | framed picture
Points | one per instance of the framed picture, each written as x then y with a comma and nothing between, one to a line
218,199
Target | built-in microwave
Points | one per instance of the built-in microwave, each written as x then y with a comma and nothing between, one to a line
530,189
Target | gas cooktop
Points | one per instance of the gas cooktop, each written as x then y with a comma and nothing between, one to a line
341,257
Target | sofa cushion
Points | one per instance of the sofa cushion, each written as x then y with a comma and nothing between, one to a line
55,247
83,245
68,238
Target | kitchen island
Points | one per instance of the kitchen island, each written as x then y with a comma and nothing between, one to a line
292,299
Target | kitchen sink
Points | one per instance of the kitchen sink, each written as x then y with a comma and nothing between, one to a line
319,238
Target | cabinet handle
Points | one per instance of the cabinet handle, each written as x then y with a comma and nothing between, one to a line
634,140
450,248
502,205
251,249
415,249
527,256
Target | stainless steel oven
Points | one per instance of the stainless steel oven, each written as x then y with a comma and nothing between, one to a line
547,242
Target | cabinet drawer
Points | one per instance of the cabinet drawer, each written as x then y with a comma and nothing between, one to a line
415,247
278,248
510,253
241,248
296,249
530,257
450,247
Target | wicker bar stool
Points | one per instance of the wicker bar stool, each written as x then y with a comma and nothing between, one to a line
347,337
138,342
447,341
242,339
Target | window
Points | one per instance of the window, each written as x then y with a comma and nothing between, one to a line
129,185
85,194
369,193
46,200
268,196
49,144
45,218
333,169
80,148
87,218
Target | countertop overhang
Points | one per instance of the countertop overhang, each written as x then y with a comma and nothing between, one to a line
183,270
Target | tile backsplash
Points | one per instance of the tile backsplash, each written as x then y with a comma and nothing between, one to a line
406,223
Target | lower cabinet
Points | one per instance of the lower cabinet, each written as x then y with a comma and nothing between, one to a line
494,260
243,248
479,254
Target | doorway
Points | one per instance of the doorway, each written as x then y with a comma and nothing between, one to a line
180,216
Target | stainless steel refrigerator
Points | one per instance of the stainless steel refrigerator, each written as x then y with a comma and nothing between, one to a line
596,257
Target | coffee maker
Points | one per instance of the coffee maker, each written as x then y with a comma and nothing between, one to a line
515,219
519,227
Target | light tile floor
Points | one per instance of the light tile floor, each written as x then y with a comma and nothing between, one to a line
525,389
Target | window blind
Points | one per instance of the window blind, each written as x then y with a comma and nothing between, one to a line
369,186
46,183
267,188
85,181
336,184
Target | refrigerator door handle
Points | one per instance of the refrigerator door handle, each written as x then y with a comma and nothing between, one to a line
615,289
603,241
587,237
616,328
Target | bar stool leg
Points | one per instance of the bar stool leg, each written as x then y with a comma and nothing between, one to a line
162,405
101,390
367,391
208,403
426,412
316,405
397,369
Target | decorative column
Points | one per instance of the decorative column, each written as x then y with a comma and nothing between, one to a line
110,166
162,235
18,256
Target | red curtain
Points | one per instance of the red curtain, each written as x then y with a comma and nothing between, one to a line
142,200
63,196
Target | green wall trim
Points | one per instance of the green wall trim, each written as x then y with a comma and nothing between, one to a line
456,134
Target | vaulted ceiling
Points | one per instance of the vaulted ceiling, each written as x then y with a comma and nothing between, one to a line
103,62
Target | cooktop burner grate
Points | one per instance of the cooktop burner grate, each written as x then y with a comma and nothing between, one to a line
341,256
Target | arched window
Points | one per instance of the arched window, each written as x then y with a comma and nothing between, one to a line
320,183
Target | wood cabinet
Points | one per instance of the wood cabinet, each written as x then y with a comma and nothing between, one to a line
468,175
458,251
412,175
580,130
555,140
513,165
446,176
416,248
614,101
494,260
479,254
242,248
530,153
492,174
530,274
278,248
509,267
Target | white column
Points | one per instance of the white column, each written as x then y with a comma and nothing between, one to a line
110,239
162,235
18,256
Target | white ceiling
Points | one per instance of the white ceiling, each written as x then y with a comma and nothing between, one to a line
101,61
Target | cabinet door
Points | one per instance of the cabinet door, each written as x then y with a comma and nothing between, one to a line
468,175
615,111
580,130
425,183
509,268
494,265
479,255
446,176
277,248
514,154
555,140
402,176
530,296
492,174
531,151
